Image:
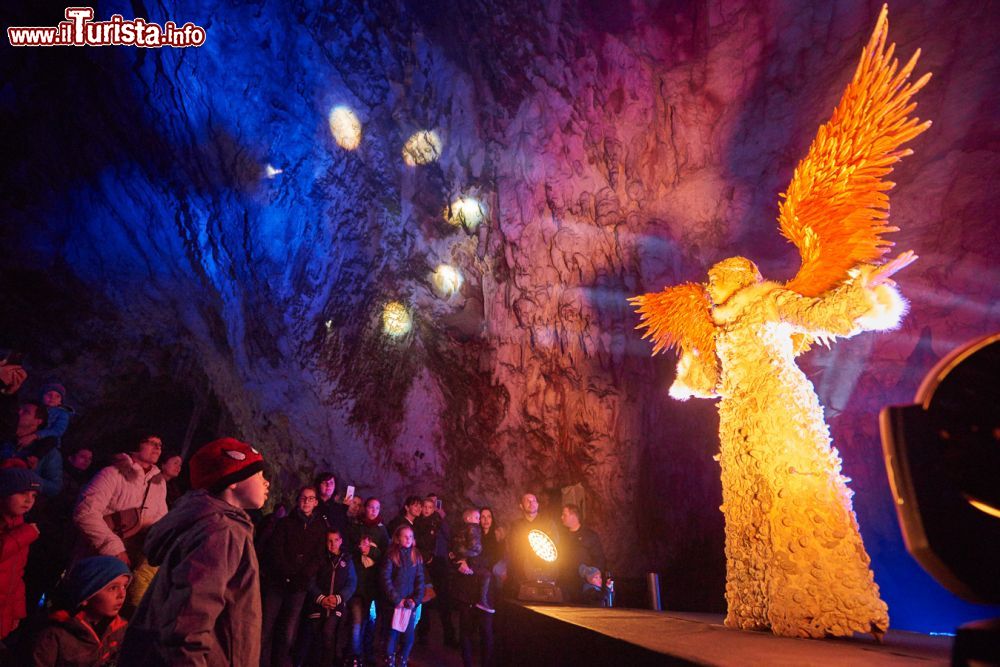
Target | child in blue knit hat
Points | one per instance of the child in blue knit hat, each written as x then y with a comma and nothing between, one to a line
86,628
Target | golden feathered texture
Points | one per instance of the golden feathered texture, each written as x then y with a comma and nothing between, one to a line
678,316
836,208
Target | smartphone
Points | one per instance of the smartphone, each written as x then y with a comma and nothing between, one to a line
437,504
350,492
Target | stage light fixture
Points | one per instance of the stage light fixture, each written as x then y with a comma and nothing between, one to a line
422,147
345,127
540,585
942,455
465,211
396,320
543,546
447,280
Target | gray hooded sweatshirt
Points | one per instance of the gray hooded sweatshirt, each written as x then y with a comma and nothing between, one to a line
203,606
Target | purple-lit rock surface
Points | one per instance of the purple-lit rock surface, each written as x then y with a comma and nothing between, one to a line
153,266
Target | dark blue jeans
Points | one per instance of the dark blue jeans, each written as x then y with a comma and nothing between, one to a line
362,628
282,610
473,621
398,643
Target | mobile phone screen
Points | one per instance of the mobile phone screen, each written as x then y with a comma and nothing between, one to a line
350,492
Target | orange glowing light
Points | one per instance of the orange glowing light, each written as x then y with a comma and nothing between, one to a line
543,546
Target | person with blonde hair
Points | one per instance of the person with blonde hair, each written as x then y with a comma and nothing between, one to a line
402,582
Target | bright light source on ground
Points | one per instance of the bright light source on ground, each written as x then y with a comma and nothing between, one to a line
447,279
345,127
467,211
543,546
422,147
396,320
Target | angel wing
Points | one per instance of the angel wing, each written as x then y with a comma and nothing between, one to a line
836,208
678,316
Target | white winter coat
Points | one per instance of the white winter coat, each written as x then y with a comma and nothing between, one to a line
118,487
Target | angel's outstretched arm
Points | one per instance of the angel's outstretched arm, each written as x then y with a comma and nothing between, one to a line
849,309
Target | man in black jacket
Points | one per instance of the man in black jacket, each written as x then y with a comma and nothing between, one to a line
330,589
294,552
578,545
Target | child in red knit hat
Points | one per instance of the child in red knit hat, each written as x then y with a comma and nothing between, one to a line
203,606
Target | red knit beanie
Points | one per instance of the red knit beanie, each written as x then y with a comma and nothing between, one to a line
223,462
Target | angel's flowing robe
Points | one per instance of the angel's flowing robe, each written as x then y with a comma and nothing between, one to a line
795,560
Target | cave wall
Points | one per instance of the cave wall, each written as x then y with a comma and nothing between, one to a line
617,148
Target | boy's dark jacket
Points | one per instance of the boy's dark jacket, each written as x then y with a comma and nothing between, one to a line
203,607
336,576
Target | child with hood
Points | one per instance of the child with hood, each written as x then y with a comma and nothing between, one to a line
203,606
86,630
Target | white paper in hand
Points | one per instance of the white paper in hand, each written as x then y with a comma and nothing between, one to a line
401,619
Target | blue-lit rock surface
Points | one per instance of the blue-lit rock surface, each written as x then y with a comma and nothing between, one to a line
155,265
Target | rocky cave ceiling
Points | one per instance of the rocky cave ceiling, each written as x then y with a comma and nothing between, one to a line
152,261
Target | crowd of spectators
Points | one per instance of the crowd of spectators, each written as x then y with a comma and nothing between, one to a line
152,559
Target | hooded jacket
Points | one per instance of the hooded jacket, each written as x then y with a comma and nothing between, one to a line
118,487
203,607
69,641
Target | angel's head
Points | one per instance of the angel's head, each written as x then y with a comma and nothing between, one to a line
730,276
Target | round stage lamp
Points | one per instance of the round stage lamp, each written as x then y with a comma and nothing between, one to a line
540,580
543,546
396,320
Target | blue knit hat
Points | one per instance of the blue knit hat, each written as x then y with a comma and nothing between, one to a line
56,387
18,480
88,576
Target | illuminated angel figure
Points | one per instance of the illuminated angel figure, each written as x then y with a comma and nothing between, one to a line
795,560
